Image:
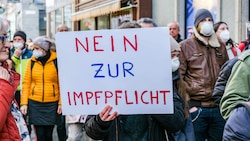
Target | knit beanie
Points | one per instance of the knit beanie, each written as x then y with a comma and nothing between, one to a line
21,34
174,44
200,15
43,42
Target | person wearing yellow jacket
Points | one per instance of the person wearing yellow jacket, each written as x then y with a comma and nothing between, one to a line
40,90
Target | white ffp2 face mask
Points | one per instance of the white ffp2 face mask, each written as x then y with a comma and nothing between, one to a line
175,64
18,45
37,53
207,29
225,35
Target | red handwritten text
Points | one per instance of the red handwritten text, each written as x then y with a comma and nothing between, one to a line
85,43
117,96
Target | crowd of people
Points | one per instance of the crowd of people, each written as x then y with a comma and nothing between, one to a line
210,90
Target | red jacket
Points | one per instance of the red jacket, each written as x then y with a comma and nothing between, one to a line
8,128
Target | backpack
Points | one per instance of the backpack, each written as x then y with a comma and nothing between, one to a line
237,126
33,62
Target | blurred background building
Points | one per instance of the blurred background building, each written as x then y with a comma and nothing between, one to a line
41,17
26,15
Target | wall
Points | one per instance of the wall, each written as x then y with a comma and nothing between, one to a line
30,20
233,12
165,11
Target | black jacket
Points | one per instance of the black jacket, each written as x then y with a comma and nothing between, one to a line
138,127
223,77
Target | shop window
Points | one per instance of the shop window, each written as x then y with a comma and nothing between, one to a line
125,3
42,22
87,24
58,17
67,15
13,1
103,22
39,2
52,24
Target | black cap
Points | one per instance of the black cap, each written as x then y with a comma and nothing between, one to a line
21,34
200,15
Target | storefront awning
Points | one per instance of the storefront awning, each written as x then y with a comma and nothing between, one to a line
99,10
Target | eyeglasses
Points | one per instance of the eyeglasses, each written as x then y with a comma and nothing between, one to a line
3,39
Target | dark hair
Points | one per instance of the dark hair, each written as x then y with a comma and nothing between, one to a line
216,27
129,24
147,20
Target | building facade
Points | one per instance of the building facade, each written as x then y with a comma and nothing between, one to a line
107,14
26,15
58,12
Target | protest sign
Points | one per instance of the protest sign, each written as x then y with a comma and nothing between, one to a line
129,69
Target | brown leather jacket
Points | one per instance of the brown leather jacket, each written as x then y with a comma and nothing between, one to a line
200,63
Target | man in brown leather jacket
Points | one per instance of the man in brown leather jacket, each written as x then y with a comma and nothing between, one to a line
201,57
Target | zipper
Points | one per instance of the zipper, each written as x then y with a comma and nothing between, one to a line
43,86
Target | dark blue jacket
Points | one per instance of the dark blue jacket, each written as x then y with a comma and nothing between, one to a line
221,82
237,126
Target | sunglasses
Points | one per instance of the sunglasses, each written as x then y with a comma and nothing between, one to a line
3,38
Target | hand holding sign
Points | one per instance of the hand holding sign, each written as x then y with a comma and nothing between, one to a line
105,114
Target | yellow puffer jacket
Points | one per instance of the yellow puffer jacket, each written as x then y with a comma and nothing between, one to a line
42,84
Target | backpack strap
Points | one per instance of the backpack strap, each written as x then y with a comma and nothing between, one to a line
33,62
55,63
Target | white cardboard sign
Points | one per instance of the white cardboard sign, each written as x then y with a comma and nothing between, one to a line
129,69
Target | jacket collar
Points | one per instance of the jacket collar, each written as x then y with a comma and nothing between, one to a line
212,41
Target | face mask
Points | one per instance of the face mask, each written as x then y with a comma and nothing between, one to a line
207,29
175,64
225,35
37,53
18,45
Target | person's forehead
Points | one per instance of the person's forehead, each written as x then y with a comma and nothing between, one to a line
175,52
63,27
35,46
223,25
207,18
17,37
173,25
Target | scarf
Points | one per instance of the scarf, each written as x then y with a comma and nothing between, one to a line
21,124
